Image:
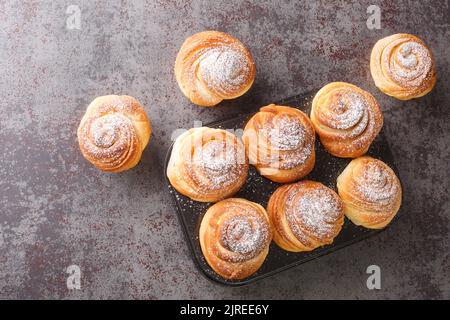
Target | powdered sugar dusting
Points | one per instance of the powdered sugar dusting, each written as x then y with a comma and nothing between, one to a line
218,163
288,142
412,64
225,69
287,133
245,235
316,210
349,111
406,56
105,130
376,183
108,136
350,118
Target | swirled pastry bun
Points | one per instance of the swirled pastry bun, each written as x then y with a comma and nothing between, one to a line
279,141
403,66
305,215
346,118
235,235
212,66
207,165
114,132
371,192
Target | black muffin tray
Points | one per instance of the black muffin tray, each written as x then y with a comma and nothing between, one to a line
258,189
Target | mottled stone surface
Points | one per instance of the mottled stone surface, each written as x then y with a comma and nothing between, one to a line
122,230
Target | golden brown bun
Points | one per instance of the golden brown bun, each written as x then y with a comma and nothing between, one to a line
346,118
114,132
403,66
235,235
371,192
305,215
279,142
212,66
207,164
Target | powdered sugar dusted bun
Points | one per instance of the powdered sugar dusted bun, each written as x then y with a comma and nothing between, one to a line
371,192
279,141
305,215
234,236
346,118
403,66
212,66
114,132
207,164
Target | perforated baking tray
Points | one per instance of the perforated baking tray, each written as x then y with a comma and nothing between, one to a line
259,189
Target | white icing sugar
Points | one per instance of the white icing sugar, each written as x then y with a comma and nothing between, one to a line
406,55
289,144
224,68
104,130
246,235
219,162
376,184
412,64
107,136
316,210
349,112
288,134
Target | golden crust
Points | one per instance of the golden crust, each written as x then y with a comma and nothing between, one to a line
346,118
235,235
114,132
371,192
207,164
279,142
212,66
305,215
402,66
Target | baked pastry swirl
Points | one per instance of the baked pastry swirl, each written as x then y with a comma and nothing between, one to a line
346,118
212,66
305,215
279,141
371,192
403,66
235,235
207,164
114,132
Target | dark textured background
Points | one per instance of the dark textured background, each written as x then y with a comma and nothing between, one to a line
57,210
